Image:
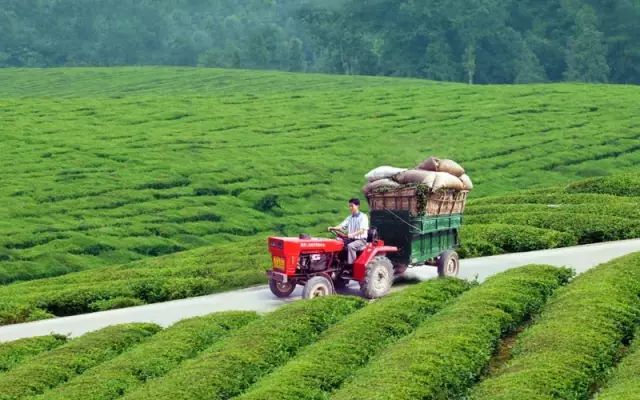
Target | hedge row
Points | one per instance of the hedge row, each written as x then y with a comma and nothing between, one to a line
588,228
347,346
489,239
576,340
627,209
152,359
232,365
558,197
625,383
16,352
38,300
57,366
447,353
619,185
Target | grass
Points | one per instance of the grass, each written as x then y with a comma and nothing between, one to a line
106,166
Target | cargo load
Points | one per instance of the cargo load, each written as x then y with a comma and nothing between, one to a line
435,187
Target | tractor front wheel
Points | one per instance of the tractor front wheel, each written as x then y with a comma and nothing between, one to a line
281,289
448,264
378,278
317,286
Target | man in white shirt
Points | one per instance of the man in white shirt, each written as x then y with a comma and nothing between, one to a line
356,225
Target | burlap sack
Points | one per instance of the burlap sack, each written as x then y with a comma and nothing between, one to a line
451,167
380,184
466,181
383,172
445,180
430,164
429,179
413,176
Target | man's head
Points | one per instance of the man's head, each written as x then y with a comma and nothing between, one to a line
354,206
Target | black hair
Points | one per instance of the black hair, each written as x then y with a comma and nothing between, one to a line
354,201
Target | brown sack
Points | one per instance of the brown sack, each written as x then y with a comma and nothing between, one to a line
451,167
429,179
414,176
380,184
430,164
466,181
445,180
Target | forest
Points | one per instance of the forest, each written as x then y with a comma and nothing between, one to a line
473,41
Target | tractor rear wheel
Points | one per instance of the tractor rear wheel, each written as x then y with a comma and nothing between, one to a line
317,286
448,264
282,289
378,278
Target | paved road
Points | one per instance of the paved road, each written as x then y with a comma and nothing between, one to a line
260,298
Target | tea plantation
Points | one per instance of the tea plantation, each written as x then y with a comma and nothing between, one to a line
107,166
574,338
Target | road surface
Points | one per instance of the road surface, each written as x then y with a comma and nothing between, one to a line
260,299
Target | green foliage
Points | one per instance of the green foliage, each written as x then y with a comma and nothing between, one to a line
504,238
197,272
619,185
576,340
624,383
588,228
18,351
57,366
116,194
151,359
323,366
447,353
231,366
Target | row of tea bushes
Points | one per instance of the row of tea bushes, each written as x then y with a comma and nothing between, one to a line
624,383
16,352
619,185
57,366
489,239
447,353
323,366
151,359
588,228
576,340
627,209
231,366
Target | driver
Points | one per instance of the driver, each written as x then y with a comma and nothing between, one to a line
356,226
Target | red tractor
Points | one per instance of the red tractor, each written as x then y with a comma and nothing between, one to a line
319,265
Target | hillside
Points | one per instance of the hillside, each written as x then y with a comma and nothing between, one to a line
108,166
530,332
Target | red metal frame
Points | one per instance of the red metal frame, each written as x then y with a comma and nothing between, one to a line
285,252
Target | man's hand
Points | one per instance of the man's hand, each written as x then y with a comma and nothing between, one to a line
331,228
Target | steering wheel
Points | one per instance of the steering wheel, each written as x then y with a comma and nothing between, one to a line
339,233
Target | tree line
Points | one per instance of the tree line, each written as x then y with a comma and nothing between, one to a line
474,41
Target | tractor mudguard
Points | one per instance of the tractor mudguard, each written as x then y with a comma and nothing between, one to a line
372,250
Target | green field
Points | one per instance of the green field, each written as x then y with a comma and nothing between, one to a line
433,340
113,170
107,166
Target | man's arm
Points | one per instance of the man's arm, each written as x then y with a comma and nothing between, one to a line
342,226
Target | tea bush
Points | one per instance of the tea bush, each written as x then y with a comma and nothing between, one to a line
623,383
576,340
449,351
231,366
323,366
151,359
57,366
18,351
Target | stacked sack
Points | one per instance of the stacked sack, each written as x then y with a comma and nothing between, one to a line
434,173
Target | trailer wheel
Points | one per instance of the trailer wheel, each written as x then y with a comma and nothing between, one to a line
317,286
448,264
281,289
378,278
